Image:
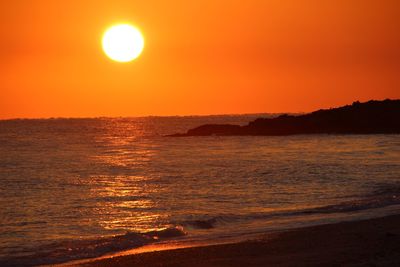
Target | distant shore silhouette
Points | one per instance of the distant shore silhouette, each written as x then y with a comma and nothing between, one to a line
372,117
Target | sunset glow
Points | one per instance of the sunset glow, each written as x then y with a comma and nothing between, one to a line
131,126
202,57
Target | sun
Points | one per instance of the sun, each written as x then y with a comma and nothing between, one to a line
122,42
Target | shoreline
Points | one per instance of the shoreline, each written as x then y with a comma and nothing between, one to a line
355,243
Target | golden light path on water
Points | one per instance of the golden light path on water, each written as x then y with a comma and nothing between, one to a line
96,186
130,195
132,213
131,201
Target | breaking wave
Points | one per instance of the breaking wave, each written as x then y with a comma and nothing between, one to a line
386,195
90,248
69,250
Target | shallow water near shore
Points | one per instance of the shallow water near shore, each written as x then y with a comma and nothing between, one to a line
79,188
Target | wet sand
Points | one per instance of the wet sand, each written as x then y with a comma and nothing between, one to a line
373,242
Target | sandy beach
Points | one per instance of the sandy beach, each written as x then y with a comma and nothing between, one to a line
373,242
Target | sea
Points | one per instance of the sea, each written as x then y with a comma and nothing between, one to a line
72,189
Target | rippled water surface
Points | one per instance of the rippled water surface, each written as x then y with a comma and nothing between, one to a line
74,188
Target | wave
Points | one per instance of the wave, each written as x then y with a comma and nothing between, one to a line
90,248
200,224
380,198
385,195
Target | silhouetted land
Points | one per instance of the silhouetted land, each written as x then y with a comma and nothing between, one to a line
372,117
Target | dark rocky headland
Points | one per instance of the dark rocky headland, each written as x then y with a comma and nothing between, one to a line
372,117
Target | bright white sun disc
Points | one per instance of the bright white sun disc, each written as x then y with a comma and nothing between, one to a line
123,43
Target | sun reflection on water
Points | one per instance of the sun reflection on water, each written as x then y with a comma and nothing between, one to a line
123,202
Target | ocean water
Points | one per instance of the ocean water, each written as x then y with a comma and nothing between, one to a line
79,188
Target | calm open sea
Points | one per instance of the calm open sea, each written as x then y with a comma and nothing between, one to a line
76,188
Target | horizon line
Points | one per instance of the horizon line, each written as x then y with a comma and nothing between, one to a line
147,116
189,115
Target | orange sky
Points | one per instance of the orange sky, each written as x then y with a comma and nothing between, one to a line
200,57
